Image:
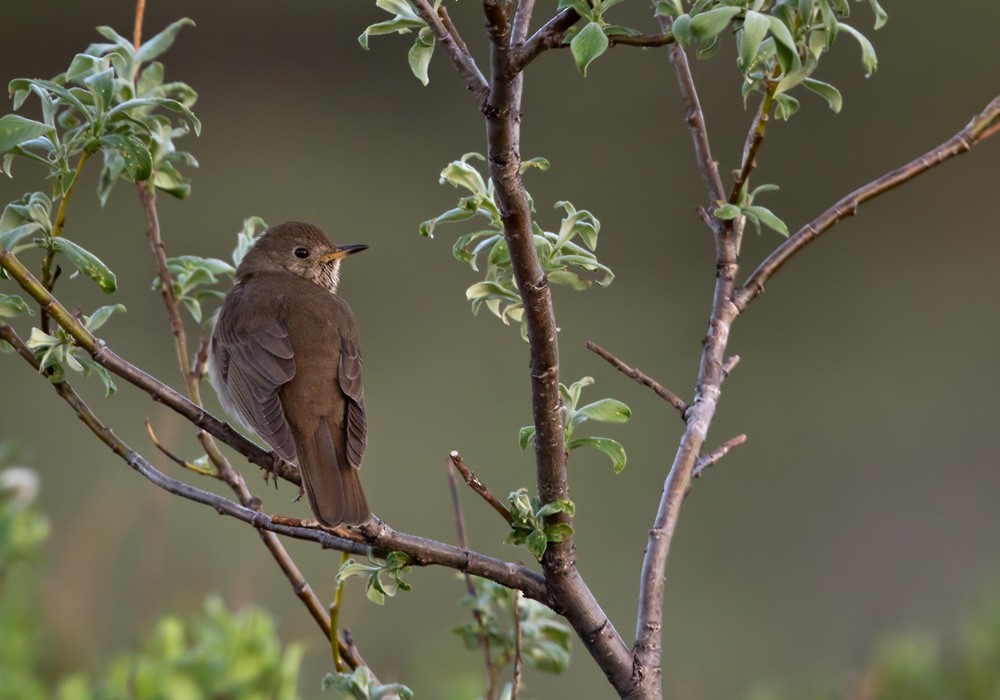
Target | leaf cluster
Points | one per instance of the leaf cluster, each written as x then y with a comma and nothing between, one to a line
566,256
601,411
545,639
779,42
360,685
385,577
528,524
108,100
755,214
57,352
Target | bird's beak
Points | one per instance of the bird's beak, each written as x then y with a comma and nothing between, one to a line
342,251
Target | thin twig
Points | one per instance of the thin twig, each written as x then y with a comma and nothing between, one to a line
516,682
463,542
695,119
639,376
174,458
140,10
455,459
982,126
729,364
705,461
755,137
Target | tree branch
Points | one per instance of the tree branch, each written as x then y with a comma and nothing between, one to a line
982,126
455,48
569,594
640,376
548,36
695,118
455,460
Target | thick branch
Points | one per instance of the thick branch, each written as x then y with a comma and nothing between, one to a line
570,595
981,127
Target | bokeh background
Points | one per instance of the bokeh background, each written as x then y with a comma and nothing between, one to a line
865,501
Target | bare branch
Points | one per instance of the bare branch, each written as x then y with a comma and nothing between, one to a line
522,22
982,126
548,36
516,681
695,119
456,50
729,364
455,460
705,461
640,376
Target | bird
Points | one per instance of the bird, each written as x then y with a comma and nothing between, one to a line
286,363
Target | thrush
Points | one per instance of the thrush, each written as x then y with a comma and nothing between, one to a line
286,363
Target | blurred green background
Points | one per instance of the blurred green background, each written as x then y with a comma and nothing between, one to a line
865,500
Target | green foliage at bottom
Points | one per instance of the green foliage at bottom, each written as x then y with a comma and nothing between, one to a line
915,667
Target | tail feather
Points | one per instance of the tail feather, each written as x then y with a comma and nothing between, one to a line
331,484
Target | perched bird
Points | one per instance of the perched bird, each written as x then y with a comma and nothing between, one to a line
286,363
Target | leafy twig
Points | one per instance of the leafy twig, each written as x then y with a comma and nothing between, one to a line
460,56
549,35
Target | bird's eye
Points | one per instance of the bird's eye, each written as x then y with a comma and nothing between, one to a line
301,253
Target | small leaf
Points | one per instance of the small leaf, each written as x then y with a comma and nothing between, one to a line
558,532
420,54
708,25
87,263
606,411
785,106
682,30
10,238
525,436
101,315
612,448
880,15
587,45
727,212
158,44
788,53
827,92
537,543
755,26
136,158
15,130
767,217
12,305
868,57
560,505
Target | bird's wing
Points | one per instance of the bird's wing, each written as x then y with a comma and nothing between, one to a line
350,384
254,364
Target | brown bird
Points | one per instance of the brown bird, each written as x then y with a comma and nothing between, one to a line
286,363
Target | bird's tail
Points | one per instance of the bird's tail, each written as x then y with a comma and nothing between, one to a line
332,485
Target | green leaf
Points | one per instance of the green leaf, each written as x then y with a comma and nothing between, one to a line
755,26
727,212
101,315
11,237
12,305
136,158
612,448
587,45
165,102
525,435
784,43
558,532
537,543
490,290
827,92
766,217
868,58
560,505
785,106
157,45
15,130
880,15
87,263
682,30
606,411
102,87
420,54
708,25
